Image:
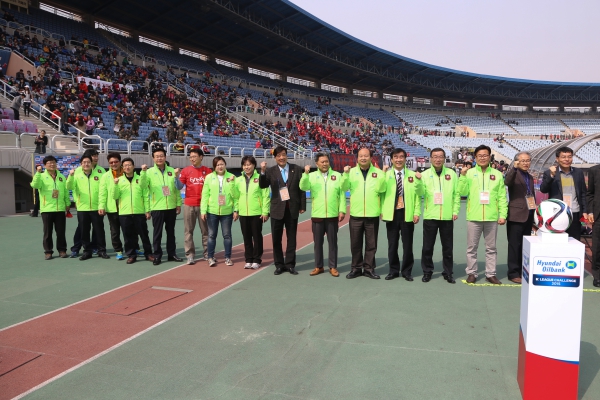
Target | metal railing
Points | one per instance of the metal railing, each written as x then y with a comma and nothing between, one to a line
38,110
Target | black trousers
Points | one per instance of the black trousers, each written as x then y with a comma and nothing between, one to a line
36,206
253,238
596,249
514,234
291,229
88,220
330,227
395,229
574,230
430,230
166,218
135,226
77,243
363,229
54,221
115,231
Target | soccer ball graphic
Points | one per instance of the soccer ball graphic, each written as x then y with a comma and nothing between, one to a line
553,216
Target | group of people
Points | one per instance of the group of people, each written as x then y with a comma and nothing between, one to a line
395,195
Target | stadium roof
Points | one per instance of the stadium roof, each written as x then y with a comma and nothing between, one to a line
278,36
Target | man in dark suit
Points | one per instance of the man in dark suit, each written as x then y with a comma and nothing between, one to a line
521,207
287,202
594,218
567,184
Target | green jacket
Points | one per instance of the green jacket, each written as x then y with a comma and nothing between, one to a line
326,195
473,183
85,189
132,196
210,194
250,200
413,190
366,195
45,184
447,184
156,181
105,200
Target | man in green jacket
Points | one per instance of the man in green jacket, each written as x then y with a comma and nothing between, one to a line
401,210
165,204
328,202
442,205
54,203
109,206
85,184
131,190
487,208
366,184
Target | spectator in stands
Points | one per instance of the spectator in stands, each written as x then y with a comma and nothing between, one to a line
16,105
41,141
567,183
486,209
51,185
27,100
217,207
90,125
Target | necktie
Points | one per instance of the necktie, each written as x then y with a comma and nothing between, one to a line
399,183
284,175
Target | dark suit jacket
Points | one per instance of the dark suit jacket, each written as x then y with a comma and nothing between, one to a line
593,205
517,205
553,187
273,179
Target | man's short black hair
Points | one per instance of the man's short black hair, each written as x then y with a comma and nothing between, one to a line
563,149
482,147
113,155
197,151
249,159
278,150
437,149
398,150
128,159
89,157
159,150
47,159
91,152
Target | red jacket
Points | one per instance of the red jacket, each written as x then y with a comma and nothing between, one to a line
193,179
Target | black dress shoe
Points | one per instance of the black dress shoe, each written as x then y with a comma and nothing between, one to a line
131,260
370,274
408,278
355,273
278,271
85,256
293,271
391,276
174,258
104,256
156,261
426,278
596,282
449,279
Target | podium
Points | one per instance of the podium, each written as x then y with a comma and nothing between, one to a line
551,306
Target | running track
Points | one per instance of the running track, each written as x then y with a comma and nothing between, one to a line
38,351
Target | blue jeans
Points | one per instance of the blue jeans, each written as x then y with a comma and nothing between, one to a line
213,229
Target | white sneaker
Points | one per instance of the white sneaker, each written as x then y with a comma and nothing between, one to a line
256,266
228,262
247,266
212,262
190,260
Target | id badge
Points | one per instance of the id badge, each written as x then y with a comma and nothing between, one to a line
221,199
530,202
567,198
284,194
166,191
55,193
438,198
400,203
484,197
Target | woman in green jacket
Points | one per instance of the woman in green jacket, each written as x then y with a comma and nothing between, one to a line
252,205
217,206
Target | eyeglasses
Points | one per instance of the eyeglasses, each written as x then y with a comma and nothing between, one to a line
438,157
482,156
525,161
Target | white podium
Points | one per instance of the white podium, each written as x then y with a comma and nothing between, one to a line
551,304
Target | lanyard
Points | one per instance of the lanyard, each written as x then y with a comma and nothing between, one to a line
526,178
